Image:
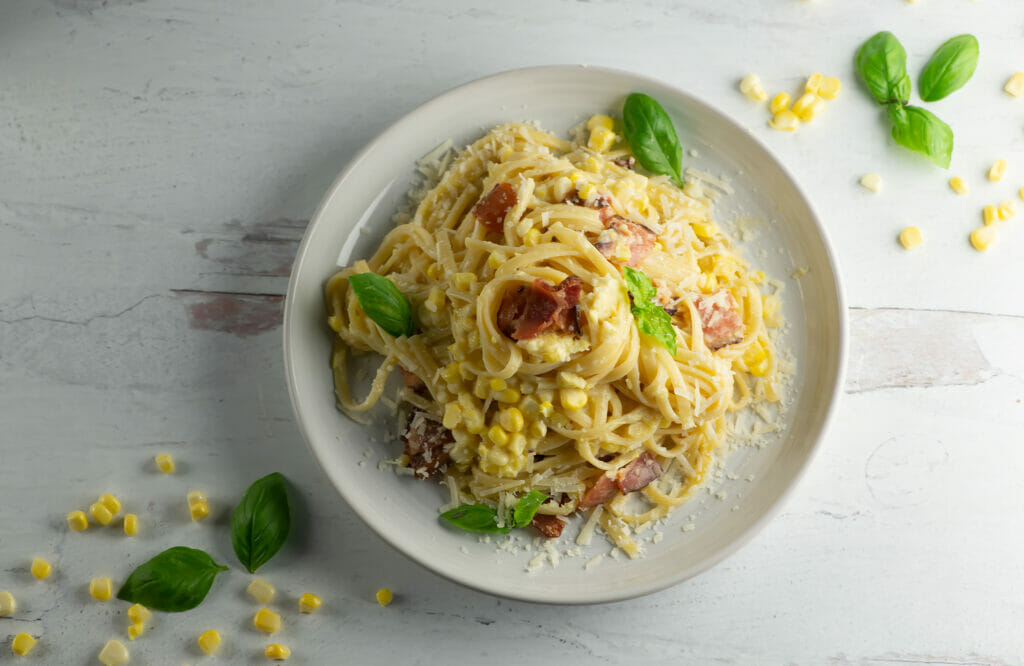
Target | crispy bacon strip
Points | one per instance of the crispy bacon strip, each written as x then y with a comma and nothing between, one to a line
412,382
491,210
719,319
549,526
622,238
535,308
426,444
603,490
638,474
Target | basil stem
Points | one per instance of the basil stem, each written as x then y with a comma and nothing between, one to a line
261,521
176,580
383,303
950,67
882,64
652,137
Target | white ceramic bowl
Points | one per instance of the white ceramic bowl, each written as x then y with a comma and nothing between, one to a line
356,212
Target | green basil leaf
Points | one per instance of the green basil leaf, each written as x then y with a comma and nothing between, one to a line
657,323
950,67
261,521
383,303
527,507
897,114
923,132
652,137
882,63
176,580
640,287
475,518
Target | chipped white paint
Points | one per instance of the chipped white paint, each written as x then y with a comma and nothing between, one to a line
159,157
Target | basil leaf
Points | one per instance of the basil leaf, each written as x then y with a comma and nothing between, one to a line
176,580
640,287
923,132
882,63
526,507
950,67
657,323
383,303
261,521
475,518
652,137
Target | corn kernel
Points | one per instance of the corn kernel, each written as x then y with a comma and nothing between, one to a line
752,88
538,429
196,496
261,590
135,630
498,435
496,260
995,174
704,230
830,87
779,103
811,109
871,181
497,384
785,121
131,524
546,408
531,238
277,652
990,214
958,185
384,596
199,511
600,120
572,398
7,604
1015,86
1021,193
433,271
464,281
111,502
435,300
138,614
165,462
267,620
100,514
452,415
911,237
78,521
309,603
40,568
571,380
22,644
209,641
516,444
114,653
508,396
601,139
813,84
1007,209
101,589
982,237
511,419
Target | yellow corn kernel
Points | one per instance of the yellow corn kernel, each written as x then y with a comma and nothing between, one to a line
531,238
384,596
704,230
7,604
209,641
22,644
111,502
546,408
779,103
813,84
277,652
40,568
871,181
601,139
131,524
990,214
135,630
101,589
571,380
752,88
464,281
496,260
770,309
100,514
195,496
1007,209
785,121
586,190
911,238
958,185
114,653
309,603
199,511
560,188
497,384
261,590
809,107
138,614
538,429
982,237
600,120
452,415
572,398
435,300
78,521
1021,193
498,435
267,620
995,174
517,444
165,462
830,87
433,271
1015,86
511,419
509,396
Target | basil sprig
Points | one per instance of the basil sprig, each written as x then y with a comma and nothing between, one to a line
650,317
950,67
176,580
652,137
261,521
482,518
383,303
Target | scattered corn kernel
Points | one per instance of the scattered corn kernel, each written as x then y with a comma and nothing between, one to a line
752,88
813,84
209,641
139,614
7,604
384,596
22,644
803,106
830,87
508,396
1007,209
1021,193
531,238
267,620
131,524
958,185
990,214
199,511
496,260
464,281
498,435
995,174
78,521
112,503
497,384
261,590
813,110
100,514
114,653
101,589
277,652
779,103
165,462
1015,86
703,230
40,568
601,139
135,630
871,181
785,121
546,408
911,238
982,237
600,120
309,603
511,419
538,429
572,398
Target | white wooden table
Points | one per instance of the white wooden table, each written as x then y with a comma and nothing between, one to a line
158,163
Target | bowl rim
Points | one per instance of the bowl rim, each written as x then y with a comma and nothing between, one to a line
769,513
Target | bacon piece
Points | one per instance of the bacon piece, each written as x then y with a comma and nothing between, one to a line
549,526
491,210
412,382
533,309
719,319
625,162
622,238
603,490
426,443
600,202
638,474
